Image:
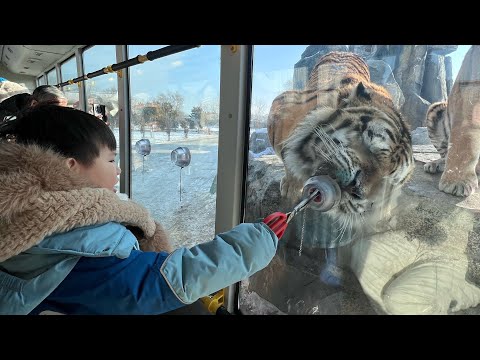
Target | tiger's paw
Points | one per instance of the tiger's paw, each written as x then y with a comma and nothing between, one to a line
435,166
460,184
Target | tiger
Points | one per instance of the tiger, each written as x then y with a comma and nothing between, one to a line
454,129
438,128
345,126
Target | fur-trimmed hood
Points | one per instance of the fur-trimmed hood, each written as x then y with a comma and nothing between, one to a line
28,171
40,196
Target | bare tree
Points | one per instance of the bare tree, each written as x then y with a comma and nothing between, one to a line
170,105
259,113
185,124
195,117
149,114
112,91
210,113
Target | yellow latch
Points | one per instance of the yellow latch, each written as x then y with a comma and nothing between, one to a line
212,303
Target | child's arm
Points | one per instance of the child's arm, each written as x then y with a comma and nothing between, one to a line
232,256
154,283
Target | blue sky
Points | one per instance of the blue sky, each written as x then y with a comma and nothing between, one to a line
457,58
195,73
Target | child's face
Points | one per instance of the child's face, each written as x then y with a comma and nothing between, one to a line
103,172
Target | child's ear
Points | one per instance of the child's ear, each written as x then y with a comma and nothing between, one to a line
72,164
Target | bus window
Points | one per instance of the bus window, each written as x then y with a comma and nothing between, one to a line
52,77
68,70
394,243
174,133
102,90
42,80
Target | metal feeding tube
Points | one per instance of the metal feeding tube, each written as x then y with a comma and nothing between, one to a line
320,192
329,193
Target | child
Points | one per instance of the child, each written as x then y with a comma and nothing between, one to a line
65,243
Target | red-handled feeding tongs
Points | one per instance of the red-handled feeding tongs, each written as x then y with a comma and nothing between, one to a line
278,221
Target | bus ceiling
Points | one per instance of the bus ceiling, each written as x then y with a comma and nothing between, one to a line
32,60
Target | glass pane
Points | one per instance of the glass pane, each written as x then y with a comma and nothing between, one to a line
102,91
68,70
52,77
175,105
368,126
42,80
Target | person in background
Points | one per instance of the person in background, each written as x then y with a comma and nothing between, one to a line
13,98
69,244
13,106
48,94
10,107
9,88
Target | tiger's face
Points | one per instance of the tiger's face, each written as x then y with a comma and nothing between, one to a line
361,147
347,127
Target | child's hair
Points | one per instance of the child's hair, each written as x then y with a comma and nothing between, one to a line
70,132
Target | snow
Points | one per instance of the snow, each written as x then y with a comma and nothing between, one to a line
156,184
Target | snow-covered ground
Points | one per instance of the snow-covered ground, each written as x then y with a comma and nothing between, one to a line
155,184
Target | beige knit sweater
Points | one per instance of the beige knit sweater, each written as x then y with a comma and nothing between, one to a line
40,196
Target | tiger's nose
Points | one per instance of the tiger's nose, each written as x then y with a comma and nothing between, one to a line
355,187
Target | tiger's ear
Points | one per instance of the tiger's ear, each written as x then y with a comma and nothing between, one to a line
362,92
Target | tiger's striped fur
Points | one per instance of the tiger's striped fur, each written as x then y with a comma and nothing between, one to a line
347,128
331,81
351,68
454,128
439,127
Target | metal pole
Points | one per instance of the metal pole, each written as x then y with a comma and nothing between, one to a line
151,55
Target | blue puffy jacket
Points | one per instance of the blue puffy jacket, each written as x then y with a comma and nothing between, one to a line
100,270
